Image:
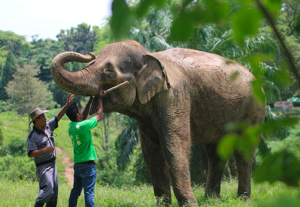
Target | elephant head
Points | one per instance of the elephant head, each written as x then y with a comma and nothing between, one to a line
116,63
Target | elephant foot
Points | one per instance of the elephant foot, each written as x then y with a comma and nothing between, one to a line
190,202
163,201
212,195
245,196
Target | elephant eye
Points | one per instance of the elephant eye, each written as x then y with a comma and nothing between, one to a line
109,67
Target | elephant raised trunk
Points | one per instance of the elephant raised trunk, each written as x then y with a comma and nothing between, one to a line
80,82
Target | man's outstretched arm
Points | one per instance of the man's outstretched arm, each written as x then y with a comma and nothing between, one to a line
62,112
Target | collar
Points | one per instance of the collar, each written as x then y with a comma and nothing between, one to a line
38,130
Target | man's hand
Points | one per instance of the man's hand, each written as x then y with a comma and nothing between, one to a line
70,99
39,152
62,112
48,149
101,94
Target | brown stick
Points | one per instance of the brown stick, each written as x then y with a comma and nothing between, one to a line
117,86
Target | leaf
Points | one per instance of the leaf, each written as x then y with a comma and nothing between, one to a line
258,91
121,18
282,166
297,26
245,22
216,11
273,6
226,146
282,76
182,28
144,6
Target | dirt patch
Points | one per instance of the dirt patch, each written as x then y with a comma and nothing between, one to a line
69,171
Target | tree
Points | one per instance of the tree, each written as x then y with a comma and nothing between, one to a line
42,53
27,92
7,73
80,39
105,130
10,41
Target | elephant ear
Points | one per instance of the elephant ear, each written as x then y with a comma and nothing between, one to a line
151,79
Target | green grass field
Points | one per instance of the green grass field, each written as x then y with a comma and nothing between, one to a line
23,193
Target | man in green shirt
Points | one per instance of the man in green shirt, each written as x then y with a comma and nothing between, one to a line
84,151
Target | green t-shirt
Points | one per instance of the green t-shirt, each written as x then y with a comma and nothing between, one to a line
82,142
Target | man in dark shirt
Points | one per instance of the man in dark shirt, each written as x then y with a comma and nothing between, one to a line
41,146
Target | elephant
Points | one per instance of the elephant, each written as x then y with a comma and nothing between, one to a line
178,97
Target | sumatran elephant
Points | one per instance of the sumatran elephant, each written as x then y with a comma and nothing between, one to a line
177,96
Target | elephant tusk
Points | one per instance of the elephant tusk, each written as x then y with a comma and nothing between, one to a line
117,86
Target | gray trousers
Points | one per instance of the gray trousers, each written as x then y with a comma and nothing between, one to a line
48,182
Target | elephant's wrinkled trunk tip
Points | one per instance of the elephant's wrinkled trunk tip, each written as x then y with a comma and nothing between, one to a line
93,55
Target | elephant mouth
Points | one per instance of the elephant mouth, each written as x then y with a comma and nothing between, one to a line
113,98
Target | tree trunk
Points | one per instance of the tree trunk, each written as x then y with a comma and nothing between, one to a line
29,125
105,134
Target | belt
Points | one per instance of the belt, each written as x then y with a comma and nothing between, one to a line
45,162
87,162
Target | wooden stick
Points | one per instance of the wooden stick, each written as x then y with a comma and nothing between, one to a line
117,86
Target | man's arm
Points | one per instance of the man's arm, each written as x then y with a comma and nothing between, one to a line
99,114
39,152
62,112
87,108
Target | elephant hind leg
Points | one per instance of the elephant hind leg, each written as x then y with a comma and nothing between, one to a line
215,171
244,168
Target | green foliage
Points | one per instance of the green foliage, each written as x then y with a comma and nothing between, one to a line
105,37
17,168
121,19
10,41
1,134
5,106
16,147
127,140
245,22
108,173
42,53
281,166
60,96
28,92
7,74
80,39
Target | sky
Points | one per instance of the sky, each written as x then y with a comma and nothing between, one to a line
47,18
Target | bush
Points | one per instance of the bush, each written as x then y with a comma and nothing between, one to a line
15,147
17,168
1,134
5,106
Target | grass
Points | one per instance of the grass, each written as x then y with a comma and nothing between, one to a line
23,193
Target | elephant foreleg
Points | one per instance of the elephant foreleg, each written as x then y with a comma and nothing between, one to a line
244,168
157,168
215,171
175,144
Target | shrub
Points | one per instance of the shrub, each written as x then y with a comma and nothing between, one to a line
15,147
17,168
5,106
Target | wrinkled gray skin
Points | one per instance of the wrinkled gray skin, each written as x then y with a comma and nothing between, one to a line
177,96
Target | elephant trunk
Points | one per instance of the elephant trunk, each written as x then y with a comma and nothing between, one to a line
81,82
